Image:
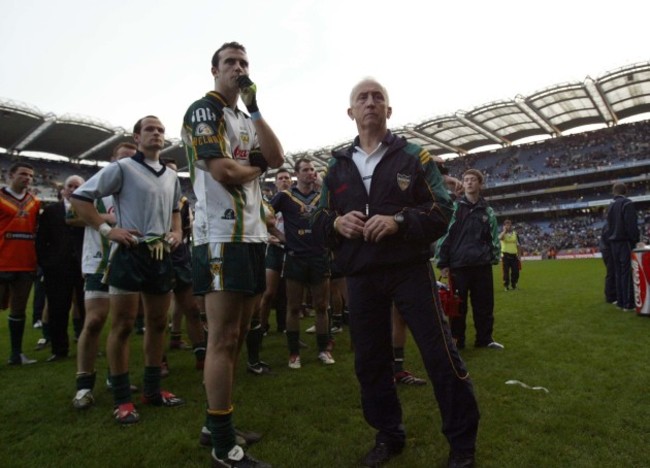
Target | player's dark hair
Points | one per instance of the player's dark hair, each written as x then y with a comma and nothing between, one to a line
476,173
137,128
227,45
296,166
280,171
15,166
619,188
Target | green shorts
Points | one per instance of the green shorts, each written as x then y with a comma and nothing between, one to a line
307,270
93,282
233,266
133,269
274,258
182,275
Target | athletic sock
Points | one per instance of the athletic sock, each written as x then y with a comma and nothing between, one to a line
151,380
86,380
175,337
199,351
398,360
121,388
254,341
293,340
337,320
321,341
139,323
16,331
219,423
77,326
346,316
45,330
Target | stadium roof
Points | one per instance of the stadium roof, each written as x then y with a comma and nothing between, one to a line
617,94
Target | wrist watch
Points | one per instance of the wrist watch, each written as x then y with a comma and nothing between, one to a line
399,217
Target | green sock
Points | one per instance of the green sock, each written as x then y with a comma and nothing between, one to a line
16,331
151,380
45,329
199,351
321,341
223,433
293,340
337,320
86,380
254,341
121,388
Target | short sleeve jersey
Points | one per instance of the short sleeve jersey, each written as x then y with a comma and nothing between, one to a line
297,209
94,257
144,199
18,221
223,213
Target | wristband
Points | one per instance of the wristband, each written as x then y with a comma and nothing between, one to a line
257,160
255,116
334,225
104,229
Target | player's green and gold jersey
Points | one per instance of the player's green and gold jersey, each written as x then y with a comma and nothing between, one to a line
224,213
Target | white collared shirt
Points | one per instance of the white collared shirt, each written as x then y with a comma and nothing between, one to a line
366,163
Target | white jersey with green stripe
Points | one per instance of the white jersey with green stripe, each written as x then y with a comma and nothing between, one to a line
94,257
224,213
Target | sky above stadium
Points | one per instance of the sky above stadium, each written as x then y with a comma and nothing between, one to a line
120,60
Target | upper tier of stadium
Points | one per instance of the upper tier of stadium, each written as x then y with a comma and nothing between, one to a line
616,95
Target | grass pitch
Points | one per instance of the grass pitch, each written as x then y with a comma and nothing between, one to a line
558,332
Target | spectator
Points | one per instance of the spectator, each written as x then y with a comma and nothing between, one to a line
18,220
623,236
467,253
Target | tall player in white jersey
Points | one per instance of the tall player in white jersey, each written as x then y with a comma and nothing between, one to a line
228,151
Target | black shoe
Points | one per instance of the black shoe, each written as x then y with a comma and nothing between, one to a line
42,343
261,368
237,459
205,439
460,460
249,437
380,454
56,357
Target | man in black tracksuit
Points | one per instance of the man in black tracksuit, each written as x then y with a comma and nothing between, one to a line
467,252
623,236
383,202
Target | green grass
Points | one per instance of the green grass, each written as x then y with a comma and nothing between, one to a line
558,332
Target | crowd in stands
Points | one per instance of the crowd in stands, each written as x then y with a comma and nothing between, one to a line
581,232
571,234
581,151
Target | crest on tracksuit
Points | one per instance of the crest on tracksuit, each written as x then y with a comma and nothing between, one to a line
403,181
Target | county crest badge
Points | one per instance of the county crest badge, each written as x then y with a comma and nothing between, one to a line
403,181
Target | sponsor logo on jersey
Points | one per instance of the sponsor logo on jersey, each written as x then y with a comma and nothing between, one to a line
239,153
403,181
203,129
203,115
228,214
19,236
205,140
